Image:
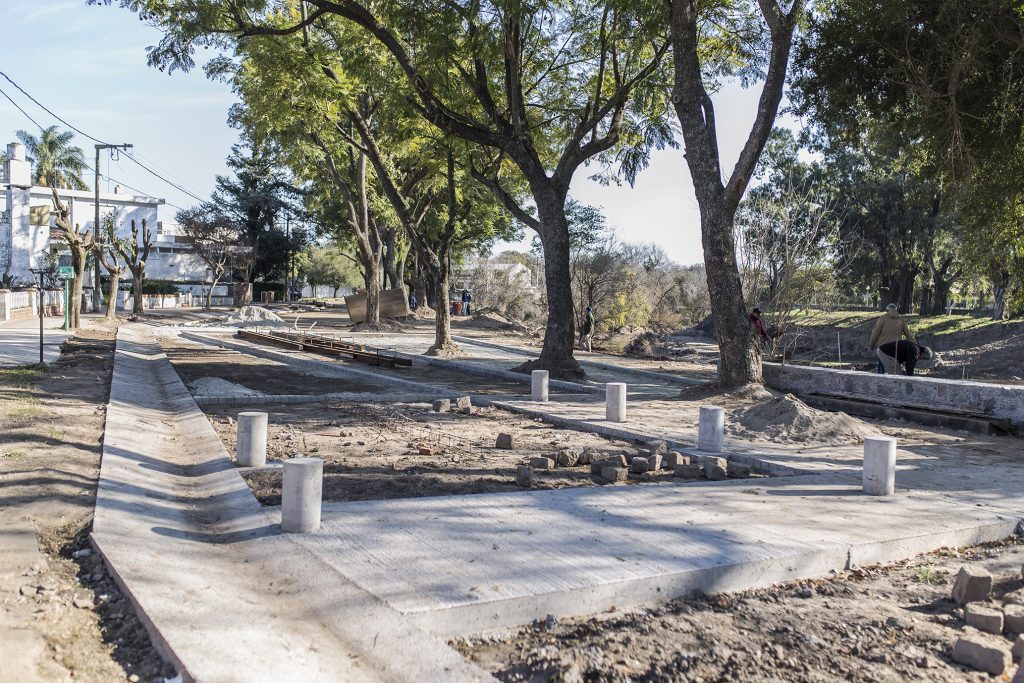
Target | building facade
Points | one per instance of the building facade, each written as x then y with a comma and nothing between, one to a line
27,217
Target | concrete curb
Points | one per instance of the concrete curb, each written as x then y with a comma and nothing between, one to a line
272,399
639,372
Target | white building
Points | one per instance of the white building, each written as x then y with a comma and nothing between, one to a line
27,216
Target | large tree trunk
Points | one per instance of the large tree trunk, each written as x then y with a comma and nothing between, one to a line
75,304
115,281
372,280
1000,284
556,356
209,292
138,308
444,345
739,360
390,239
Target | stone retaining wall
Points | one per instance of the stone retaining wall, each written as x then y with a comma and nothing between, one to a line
996,400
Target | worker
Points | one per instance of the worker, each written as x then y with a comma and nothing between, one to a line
905,355
587,329
890,327
467,298
755,319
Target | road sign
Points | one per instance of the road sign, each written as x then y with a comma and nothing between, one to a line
66,272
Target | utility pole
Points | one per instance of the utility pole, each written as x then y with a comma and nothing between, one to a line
97,293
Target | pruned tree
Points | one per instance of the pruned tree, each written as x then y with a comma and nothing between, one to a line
80,244
135,254
107,254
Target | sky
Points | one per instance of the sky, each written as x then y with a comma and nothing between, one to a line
88,65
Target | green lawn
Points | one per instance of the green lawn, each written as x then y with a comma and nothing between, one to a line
938,325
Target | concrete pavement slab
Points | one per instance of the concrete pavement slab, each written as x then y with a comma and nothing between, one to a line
19,341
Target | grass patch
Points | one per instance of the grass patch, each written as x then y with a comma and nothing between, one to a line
928,576
14,455
22,376
936,324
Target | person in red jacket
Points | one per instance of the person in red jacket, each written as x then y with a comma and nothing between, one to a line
755,319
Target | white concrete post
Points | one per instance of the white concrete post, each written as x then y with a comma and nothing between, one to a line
301,494
711,429
879,466
251,440
539,385
615,402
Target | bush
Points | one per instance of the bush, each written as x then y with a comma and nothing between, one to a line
156,287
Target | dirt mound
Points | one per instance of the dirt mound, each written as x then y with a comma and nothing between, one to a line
254,316
491,319
787,419
648,345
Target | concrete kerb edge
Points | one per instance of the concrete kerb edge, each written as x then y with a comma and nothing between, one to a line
270,399
155,636
758,464
638,372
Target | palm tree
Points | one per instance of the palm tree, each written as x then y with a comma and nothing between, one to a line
57,163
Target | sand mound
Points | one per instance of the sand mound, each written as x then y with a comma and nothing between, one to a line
254,316
787,419
491,319
217,386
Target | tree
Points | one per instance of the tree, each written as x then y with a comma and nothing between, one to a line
80,244
135,253
107,254
764,55
545,86
327,266
56,162
214,238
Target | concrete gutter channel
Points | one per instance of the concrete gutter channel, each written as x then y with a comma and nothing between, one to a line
227,597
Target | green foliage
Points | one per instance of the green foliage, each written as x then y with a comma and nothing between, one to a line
328,266
56,162
152,286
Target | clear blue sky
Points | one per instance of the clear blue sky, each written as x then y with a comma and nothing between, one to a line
88,64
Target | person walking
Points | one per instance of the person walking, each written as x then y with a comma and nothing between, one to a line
758,323
891,327
467,298
587,329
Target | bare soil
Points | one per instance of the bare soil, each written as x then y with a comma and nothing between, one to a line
50,435
399,450
892,623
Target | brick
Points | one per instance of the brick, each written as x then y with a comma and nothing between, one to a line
687,471
639,465
468,410
675,458
611,473
1013,618
984,618
620,459
629,455
588,456
981,654
441,405
716,469
463,402
1019,676
657,448
427,450
653,463
739,471
1014,598
542,463
973,584
525,475
567,457
1018,648
505,441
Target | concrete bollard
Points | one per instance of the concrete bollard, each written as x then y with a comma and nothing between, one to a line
251,440
879,466
615,402
539,385
711,429
301,494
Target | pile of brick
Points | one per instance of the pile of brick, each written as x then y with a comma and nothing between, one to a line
990,626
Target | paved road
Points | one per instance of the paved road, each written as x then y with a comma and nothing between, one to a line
19,341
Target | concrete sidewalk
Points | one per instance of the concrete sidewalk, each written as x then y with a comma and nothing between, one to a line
19,340
227,596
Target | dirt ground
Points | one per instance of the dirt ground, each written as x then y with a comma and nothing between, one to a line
51,425
373,451
873,624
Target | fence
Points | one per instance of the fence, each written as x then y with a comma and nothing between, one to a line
25,304
126,300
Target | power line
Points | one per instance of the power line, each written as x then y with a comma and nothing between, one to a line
97,140
20,109
48,111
